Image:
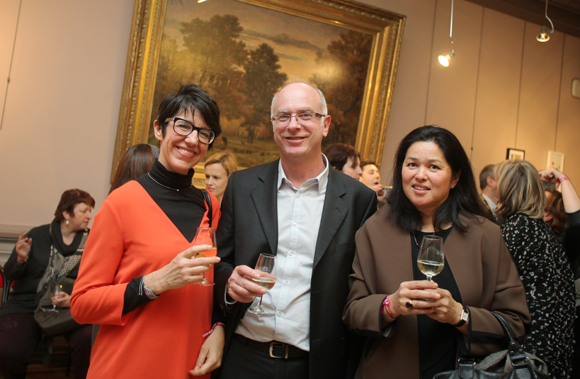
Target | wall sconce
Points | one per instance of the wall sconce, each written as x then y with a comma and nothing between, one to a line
201,1
544,35
444,60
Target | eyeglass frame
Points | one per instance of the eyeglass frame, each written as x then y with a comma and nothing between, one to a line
193,128
295,115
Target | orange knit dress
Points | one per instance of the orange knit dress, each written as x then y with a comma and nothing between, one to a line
131,237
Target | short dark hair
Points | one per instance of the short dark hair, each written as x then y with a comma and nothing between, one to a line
463,198
69,199
338,153
190,98
488,171
136,161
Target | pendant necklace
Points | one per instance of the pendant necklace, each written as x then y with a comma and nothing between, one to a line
171,188
415,238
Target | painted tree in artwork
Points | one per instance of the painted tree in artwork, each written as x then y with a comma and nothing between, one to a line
263,78
342,80
217,56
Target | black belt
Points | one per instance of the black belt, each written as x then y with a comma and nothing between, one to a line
274,349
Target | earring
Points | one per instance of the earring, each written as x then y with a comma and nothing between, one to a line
67,222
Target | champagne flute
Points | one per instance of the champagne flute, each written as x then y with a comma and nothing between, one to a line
265,265
57,289
205,236
431,259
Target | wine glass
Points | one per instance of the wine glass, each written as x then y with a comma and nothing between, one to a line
57,289
205,236
431,259
265,265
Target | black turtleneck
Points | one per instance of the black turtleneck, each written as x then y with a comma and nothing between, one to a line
185,208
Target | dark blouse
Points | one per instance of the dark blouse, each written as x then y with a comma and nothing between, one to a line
27,275
437,351
545,271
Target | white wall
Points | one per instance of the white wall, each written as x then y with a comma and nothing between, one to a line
502,90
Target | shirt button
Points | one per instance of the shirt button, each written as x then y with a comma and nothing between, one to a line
286,282
291,253
298,195
294,223
279,314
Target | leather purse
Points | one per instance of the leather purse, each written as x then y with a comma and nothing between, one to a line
59,321
512,363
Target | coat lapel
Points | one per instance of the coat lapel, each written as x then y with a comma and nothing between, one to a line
264,196
333,214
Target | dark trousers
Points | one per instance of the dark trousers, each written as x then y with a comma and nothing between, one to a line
245,362
19,336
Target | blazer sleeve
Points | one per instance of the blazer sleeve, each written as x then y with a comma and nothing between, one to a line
225,241
95,298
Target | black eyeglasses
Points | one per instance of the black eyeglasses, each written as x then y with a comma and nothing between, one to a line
304,116
185,128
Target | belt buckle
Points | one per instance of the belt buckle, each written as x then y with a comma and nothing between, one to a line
271,349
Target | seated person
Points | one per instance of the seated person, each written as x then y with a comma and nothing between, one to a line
19,332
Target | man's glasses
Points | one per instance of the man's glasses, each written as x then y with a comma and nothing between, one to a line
185,128
285,118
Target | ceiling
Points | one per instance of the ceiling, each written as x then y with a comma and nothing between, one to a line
565,14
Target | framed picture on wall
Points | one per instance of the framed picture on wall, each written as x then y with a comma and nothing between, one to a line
242,51
515,154
555,160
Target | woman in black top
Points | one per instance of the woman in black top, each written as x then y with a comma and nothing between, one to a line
19,333
542,263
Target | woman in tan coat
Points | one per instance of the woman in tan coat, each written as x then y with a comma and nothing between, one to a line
416,328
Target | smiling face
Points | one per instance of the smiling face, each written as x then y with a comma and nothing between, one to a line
370,175
216,179
299,140
352,168
427,177
80,218
178,153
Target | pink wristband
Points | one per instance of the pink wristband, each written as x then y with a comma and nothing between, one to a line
562,179
207,334
20,260
386,305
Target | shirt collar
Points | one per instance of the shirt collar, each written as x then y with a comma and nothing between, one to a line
321,179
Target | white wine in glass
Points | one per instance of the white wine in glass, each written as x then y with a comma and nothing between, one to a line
265,265
205,236
431,259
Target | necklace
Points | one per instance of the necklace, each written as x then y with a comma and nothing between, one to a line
171,188
415,238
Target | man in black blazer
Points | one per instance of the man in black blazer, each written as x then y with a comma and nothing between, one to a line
304,212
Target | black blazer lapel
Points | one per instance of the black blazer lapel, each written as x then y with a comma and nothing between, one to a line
265,201
333,214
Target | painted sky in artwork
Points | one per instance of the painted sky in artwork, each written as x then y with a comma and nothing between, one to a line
294,39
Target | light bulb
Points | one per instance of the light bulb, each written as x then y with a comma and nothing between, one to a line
444,60
544,35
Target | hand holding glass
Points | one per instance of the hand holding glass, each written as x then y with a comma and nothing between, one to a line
57,289
431,259
265,265
205,236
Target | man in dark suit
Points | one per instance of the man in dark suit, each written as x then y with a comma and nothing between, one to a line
304,212
489,194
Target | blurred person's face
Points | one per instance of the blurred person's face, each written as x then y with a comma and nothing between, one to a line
370,175
427,177
80,218
352,168
216,179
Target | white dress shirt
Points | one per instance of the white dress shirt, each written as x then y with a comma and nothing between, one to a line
286,306
491,204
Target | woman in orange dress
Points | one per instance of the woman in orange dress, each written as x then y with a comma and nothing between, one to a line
138,270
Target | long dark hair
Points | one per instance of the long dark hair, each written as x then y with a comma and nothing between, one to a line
136,161
463,198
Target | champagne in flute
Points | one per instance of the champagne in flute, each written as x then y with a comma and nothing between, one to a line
265,266
431,259
57,289
205,236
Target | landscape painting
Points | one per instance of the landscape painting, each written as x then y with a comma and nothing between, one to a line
241,54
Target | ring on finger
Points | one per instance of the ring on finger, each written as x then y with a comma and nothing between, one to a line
409,305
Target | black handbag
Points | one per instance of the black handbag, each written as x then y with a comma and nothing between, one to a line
59,321
511,363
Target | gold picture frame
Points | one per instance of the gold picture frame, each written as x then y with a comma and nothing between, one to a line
385,27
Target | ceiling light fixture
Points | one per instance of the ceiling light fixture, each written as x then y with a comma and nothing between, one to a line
545,32
446,59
